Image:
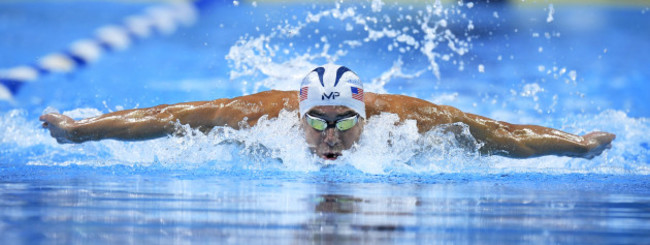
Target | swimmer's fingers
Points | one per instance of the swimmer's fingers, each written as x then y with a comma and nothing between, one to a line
59,126
54,119
599,138
598,142
46,119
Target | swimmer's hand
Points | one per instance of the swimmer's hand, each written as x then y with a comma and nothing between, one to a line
596,143
60,126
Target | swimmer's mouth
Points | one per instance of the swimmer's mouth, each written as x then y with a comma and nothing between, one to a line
330,156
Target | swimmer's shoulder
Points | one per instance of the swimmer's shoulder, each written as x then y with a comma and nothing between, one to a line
406,107
389,102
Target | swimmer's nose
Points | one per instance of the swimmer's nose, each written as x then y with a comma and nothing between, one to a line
331,137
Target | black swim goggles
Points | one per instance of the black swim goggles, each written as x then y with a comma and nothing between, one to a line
341,124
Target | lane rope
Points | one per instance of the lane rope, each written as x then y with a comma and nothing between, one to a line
163,19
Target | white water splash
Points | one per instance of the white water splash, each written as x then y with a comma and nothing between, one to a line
376,5
531,90
389,146
419,32
551,11
377,84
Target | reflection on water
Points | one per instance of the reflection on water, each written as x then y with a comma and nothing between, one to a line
344,218
292,209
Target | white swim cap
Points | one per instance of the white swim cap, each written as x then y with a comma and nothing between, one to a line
333,85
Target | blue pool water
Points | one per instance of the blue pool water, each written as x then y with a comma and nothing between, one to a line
573,67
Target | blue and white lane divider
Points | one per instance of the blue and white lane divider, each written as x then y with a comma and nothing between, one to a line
161,19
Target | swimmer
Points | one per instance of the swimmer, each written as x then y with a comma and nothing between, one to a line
333,109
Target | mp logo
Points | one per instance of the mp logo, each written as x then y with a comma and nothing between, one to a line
331,95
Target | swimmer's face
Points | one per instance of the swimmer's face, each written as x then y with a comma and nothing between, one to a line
329,143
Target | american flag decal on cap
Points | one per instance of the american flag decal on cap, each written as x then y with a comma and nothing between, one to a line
357,93
304,91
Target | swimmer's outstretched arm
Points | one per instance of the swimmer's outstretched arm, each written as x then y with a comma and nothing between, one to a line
159,121
521,141
499,138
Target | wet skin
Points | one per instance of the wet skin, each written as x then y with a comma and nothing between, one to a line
329,143
497,137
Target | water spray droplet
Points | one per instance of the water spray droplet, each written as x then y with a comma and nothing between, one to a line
572,75
551,11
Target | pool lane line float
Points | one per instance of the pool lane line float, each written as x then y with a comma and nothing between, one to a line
162,19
